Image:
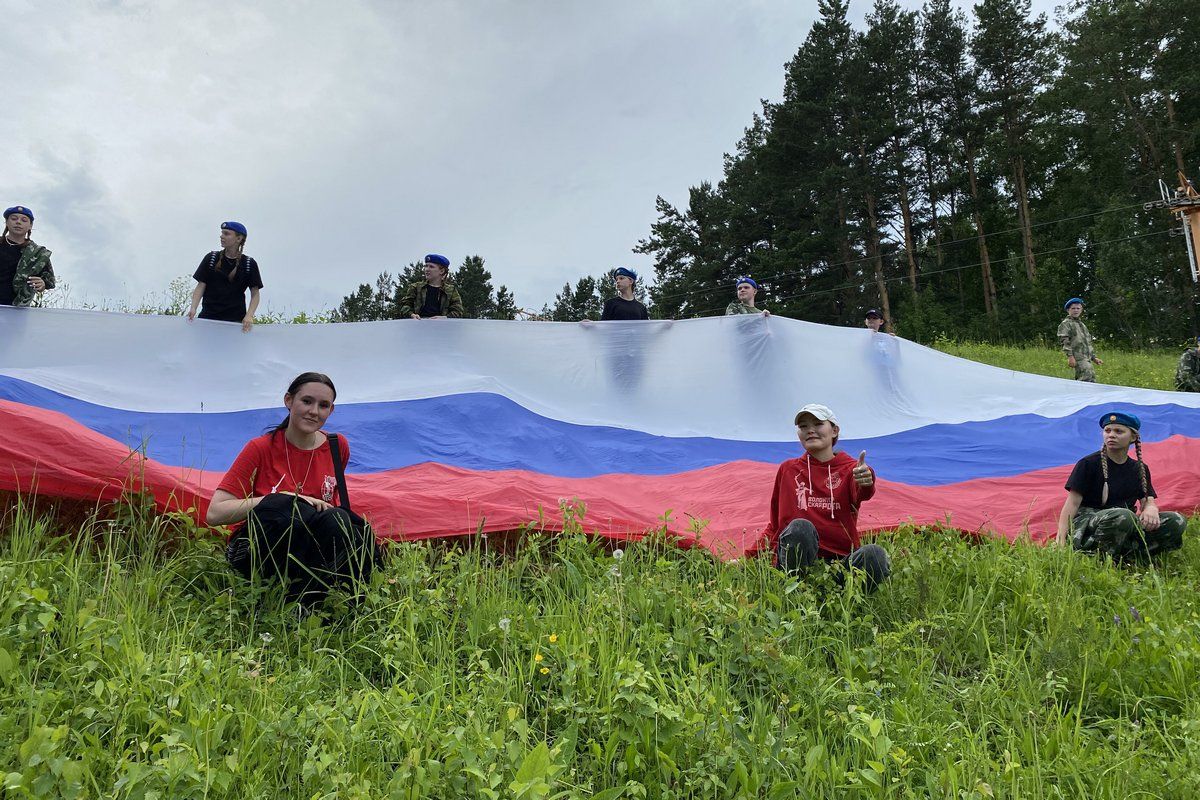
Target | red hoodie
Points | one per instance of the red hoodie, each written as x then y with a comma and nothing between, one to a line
825,494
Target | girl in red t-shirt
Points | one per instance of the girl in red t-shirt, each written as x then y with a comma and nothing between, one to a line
282,493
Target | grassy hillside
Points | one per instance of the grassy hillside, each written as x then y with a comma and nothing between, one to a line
1149,369
134,665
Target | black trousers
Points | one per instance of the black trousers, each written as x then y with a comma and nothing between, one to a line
309,551
798,545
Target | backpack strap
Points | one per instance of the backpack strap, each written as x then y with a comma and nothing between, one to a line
339,471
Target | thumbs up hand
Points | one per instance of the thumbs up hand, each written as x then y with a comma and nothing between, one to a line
862,473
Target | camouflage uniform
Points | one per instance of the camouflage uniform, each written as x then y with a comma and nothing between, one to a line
737,307
414,298
34,262
1187,374
1077,341
1116,531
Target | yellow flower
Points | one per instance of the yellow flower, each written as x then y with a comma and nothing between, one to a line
538,658
553,638
545,670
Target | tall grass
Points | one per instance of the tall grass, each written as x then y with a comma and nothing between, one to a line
130,668
1148,369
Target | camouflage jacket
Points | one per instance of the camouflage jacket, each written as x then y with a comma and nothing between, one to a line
737,307
34,262
1075,339
414,298
1187,374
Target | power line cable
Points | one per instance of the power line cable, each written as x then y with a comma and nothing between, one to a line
973,238
894,279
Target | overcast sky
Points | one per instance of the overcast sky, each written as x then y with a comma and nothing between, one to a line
354,137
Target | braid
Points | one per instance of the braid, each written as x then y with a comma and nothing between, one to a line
1104,471
1137,444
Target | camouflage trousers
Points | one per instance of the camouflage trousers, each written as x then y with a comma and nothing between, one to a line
1084,369
1116,531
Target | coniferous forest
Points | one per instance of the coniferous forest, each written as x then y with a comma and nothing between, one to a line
964,173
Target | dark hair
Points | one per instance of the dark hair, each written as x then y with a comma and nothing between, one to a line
237,262
294,386
1137,446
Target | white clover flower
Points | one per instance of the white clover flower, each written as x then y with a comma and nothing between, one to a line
266,637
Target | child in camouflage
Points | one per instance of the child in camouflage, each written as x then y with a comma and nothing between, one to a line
1104,490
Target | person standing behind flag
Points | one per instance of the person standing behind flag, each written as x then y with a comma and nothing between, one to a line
623,306
746,289
25,269
1076,342
814,506
1187,374
222,280
436,297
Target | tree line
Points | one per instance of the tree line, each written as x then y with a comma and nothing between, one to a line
964,175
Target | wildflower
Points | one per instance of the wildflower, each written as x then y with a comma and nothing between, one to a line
553,638
504,624
391,581
253,673
266,637
614,571
538,658
544,670
271,679
618,554
1116,619
1133,612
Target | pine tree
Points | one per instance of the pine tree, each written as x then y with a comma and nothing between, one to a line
474,283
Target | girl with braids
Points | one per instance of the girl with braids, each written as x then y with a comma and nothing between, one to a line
284,492
222,280
1103,495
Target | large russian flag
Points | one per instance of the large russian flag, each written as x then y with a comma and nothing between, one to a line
459,426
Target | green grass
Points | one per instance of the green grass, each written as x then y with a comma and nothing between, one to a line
980,670
1148,369
133,664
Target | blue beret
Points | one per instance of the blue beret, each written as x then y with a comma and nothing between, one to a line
434,258
1121,418
627,272
8,212
1072,302
236,227
745,279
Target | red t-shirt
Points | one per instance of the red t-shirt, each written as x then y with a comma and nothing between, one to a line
270,463
825,494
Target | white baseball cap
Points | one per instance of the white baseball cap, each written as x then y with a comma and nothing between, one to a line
822,413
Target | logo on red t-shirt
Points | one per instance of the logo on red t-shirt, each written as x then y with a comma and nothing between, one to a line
328,488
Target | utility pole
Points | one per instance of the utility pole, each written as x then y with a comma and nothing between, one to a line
1184,202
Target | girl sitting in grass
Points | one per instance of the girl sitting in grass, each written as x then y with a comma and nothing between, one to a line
283,492
814,507
1103,495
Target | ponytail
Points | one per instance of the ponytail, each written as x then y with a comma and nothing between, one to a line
1137,445
1104,470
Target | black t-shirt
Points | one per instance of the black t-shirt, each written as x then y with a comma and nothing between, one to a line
1124,483
433,302
620,308
10,256
225,299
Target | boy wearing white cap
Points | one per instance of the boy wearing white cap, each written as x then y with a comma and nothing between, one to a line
814,506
